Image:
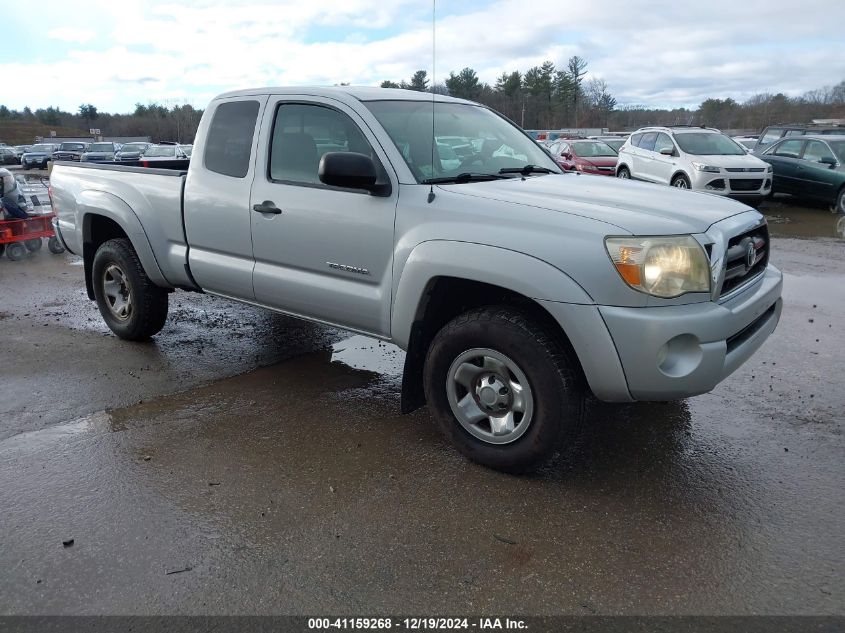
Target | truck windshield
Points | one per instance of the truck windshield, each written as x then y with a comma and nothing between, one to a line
488,144
101,147
72,147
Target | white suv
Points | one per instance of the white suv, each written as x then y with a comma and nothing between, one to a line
698,158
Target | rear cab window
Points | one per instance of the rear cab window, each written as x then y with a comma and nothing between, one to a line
228,146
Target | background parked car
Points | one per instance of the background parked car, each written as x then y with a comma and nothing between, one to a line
20,150
38,155
100,153
774,133
7,156
810,166
132,151
165,152
615,141
587,156
748,142
702,159
71,150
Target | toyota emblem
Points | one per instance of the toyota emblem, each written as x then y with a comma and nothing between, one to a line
750,254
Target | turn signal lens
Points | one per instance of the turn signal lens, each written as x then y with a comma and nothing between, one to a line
661,266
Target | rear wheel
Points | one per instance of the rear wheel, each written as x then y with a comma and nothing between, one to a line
16,251
132,306
680,182
623,173
55,246
33,245
502,390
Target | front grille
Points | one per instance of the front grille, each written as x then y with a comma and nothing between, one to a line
745,184
738,265
745,169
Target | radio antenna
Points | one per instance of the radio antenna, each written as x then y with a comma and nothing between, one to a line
433,80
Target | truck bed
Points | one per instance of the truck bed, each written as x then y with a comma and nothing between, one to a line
148,198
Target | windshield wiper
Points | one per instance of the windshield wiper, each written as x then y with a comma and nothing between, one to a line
528,169
462,178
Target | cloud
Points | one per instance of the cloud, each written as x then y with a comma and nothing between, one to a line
656,52
70,34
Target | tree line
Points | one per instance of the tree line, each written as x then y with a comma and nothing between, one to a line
547,97
162,122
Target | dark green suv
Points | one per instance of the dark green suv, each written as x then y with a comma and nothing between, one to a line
810,166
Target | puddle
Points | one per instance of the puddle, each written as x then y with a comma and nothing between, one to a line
46,438
363,352
803,219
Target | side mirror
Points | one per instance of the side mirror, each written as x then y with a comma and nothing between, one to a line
667,151
349,170
830,161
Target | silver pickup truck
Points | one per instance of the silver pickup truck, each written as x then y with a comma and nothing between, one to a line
514,288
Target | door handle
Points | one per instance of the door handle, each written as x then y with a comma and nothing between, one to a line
268,206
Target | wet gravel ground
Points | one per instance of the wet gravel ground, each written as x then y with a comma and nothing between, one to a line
244,462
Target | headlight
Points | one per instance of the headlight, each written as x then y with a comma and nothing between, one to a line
661,266
702,167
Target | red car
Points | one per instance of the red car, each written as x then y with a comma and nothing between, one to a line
587,156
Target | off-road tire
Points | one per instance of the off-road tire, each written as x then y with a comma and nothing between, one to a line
149,302
554,376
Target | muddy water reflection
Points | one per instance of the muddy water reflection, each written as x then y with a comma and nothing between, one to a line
788,217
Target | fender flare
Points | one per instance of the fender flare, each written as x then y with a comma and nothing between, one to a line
99,203
494,265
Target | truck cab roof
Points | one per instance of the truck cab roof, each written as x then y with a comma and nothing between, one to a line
359,93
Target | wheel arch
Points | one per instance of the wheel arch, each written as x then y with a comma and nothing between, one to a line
105,217
443,279
680,172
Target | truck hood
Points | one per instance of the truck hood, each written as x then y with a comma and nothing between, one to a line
638,208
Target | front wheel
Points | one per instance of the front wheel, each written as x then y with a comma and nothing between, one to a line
503,391
132,306
623,173
680,182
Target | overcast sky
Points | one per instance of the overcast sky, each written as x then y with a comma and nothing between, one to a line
115,53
